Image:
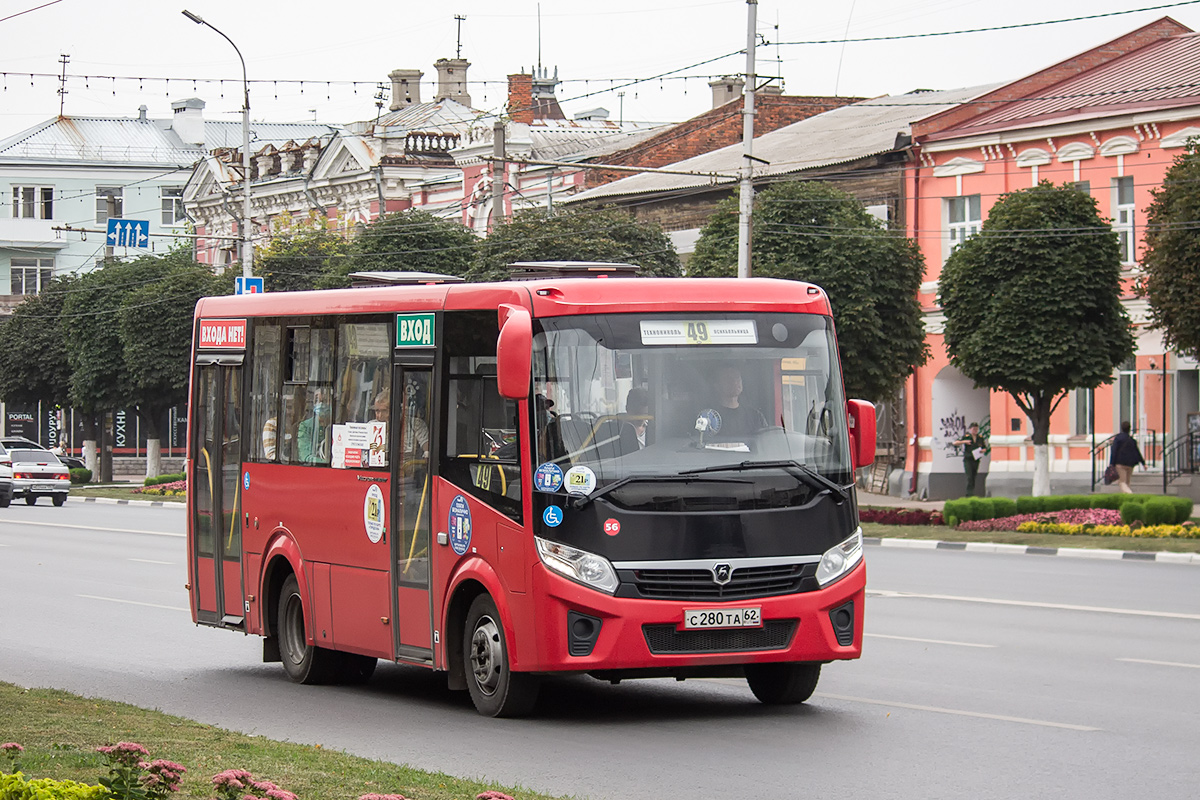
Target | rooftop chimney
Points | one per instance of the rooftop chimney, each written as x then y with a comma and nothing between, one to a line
452,80
188,122
726,89
520,97
142,113
406,88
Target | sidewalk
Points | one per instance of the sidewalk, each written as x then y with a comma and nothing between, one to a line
872,499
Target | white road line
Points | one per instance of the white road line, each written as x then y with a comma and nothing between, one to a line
1159,663
94,528
959,713
131,602
926,641
1030,604
152,561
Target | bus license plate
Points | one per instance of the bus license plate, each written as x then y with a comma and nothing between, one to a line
723,618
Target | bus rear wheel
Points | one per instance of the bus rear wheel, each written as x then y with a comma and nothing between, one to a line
495,689
783,683
303,662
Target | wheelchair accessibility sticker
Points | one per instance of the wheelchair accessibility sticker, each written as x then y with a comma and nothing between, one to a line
552,516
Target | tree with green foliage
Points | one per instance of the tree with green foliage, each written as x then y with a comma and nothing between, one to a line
155,323
299,255
815,232
33,353
405,241
1171,259
1033,304
579,235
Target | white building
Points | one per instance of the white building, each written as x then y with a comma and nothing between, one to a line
76,171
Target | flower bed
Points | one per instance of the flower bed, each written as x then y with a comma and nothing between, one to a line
900,516
1185,531
1073,516
173,489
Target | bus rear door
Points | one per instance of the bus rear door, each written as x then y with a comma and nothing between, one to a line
412,492
217,535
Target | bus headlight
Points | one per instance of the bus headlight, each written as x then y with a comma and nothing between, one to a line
578,565
840,559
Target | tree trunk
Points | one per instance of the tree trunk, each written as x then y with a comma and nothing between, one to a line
153,458
90,450
150,420
1038,407
1041,470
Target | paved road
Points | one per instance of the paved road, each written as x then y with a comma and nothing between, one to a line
984,676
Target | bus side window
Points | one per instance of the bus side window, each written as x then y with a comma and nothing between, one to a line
264,393
482,445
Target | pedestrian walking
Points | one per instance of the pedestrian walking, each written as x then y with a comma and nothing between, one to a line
1125,455
975,447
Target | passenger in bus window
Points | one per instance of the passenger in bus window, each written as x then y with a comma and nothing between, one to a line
635,430
312,437
728,415
269,437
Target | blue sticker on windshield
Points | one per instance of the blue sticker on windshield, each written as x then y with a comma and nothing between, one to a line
460,525
246,480
552,516
548,478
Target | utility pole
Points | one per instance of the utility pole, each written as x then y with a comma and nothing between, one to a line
64,59
746,193
499,173
460,19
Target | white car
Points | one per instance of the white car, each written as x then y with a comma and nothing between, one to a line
6,478
39,473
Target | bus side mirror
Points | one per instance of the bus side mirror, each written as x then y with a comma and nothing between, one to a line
514,352
862,432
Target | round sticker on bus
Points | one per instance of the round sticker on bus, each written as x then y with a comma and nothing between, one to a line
372,513
548,478
552,516
612,526
246,481
580,480
459,523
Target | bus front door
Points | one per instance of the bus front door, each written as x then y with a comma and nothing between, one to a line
411,418
217,535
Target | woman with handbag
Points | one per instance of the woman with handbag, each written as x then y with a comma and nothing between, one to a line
1124,455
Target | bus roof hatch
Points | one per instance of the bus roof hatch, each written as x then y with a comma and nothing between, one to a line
533,270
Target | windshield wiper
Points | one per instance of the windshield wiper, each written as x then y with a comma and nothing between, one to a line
582,500
801,472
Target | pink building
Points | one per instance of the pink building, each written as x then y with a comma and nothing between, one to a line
1110,121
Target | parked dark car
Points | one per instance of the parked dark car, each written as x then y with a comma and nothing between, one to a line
39,473
14,442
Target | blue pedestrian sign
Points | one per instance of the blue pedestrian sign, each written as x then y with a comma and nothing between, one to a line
128,233
244,285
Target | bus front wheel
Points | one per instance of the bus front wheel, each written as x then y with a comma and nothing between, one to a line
783,683
495,689
303,662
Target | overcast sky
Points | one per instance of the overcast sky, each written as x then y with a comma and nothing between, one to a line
595,46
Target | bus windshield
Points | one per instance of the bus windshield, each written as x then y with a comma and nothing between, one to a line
647,399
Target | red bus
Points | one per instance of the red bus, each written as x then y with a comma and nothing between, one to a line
618,476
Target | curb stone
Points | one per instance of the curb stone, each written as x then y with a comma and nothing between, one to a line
1020,549
118,502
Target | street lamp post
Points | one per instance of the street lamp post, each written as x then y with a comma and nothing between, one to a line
247,242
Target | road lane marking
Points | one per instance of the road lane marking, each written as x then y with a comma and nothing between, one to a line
131,602
926,641
1159,663
152,561
94,528
960,713
1031,604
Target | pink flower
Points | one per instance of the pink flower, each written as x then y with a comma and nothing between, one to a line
12,747
493,795
280,794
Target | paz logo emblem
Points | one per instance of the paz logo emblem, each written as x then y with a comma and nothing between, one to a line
722,573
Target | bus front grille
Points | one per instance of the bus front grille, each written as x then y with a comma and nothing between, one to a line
745,583
775,634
